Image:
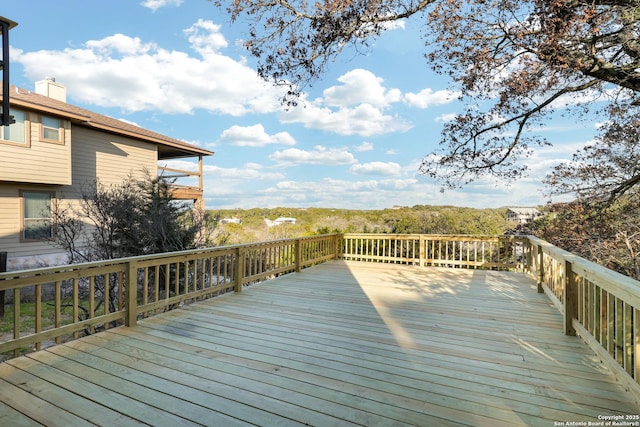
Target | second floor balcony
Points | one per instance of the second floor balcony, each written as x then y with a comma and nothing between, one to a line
185,184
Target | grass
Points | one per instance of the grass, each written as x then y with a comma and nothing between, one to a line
28,322
28,316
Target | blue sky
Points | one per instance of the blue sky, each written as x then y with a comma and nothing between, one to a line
176,67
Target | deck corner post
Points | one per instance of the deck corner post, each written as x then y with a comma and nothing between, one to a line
239,269
131,294
570,298
540,269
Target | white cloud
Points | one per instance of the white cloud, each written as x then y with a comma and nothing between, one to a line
318,156
376,168
365,146
249,171
254,136
427,98
360,87
205,37
134,75
447,117
357,107
363,120
157,4
119,43
330,192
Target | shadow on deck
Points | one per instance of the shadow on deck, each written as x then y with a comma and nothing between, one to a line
341,343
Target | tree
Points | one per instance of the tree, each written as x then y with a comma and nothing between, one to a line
526,57
136,217
609,237
606,170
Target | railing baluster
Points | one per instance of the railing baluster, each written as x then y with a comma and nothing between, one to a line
636,344
38,313
571,299
16,317
627,337
58,307
76,304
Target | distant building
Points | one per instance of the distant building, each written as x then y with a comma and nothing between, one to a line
279,221
522,215
230,221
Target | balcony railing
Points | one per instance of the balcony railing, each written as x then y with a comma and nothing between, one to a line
50,305
180,190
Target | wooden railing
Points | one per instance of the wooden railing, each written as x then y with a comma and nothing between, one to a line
598,304
50,305
183,191
64,302
480,252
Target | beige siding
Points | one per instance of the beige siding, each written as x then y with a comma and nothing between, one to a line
108,157
21,254
37,163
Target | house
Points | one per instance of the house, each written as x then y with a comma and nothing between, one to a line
54,148
522,215
279,221
230,221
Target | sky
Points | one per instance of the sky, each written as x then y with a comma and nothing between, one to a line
177,67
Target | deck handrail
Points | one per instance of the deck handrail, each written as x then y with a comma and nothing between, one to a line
498,252
598,304
102,294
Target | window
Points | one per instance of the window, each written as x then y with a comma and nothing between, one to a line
15,132
37,215
51,129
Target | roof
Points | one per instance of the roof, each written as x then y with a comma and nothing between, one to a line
168,147
525,211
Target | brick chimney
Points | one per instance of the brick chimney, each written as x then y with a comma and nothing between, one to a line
49,87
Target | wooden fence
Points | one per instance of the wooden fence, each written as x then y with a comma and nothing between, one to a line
480,252
49,305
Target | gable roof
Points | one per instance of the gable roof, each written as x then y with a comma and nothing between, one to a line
168,147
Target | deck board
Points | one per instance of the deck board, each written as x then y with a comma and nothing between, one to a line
339,344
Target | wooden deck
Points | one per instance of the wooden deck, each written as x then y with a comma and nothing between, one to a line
340,344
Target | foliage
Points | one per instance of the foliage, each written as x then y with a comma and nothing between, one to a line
310,221
607,169
526,57
609,237
136,217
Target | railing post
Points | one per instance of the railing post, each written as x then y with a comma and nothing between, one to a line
423,253
239,269
3,268
298,255
540,270
529,252
570,298
131,294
